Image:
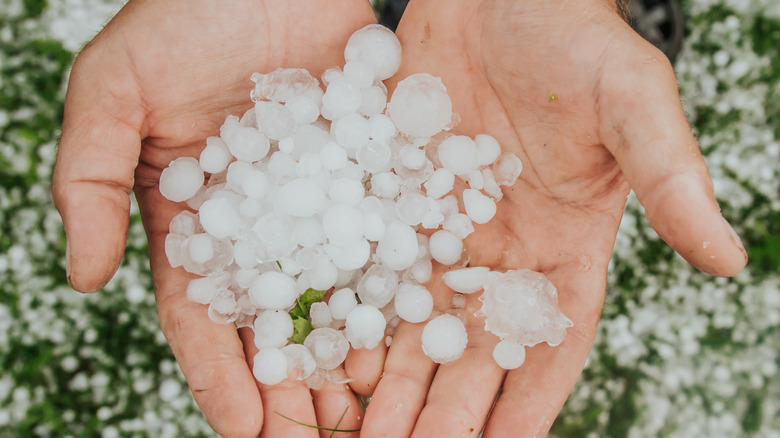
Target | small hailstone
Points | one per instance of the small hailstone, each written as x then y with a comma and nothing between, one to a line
365,326
346,191
309,232
181,179
282,165
303,109
421,271
320,315
444,338
373,100
273,290
219,218
215,156
448,205
377,46
244,279
439,184
247,144
200,247
255,184
412,157
398,247
328,346
507,169
323,276
374,226
283,84
479,207
508,354
458,301
185,223
202,290
385,185
445,247
374,156
270,366
466,280
490,185
341,98
309,138
458,154
420,106
272,328
342,302
411,208
174,249
458,224
275,231
274,119
476,180
343,224
378,286
359,72
351,256
332,74
413,302
300,362
350,131
309,164
381,128
223,308
333,156
236,172
488,149
301,197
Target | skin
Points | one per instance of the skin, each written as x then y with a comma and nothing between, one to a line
615,123
150,88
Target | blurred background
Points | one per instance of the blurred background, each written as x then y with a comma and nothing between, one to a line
679,354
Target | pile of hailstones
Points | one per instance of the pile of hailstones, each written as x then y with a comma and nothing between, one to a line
326,191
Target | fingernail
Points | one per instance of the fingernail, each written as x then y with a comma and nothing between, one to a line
67,260
735,238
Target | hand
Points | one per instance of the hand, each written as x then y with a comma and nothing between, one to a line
151,87
592,110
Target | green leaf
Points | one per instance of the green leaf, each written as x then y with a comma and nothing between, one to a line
301,309
302,329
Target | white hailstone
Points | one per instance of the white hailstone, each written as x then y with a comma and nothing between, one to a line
203,290
342,302
351,256
476,180
320,315
458,154
479,207
412,157
444,338
174,249
244,279
439,184
301,197
433,217
411,208
490,185
374,226
200,247
381,128
309,164
300,362
250,208
458,301
255,184
215,156
309,138
507,169
346,191
286,145
272,328
343,224
413,302
332,74
398,247
309,232
423,250
385,185
185,223
276,234
323,276
341,98
373,100
359,72
333,156
223,308
420,271
236,172
458,224
282,165
273,290
247,144
289,266
378,46
328,346
352,170
270,366
445,247
365,326
283,84
219,218
303,109
466,280
274,119
420,106
488,149
350,131
448,205
374,156
181,180
378,286
508,354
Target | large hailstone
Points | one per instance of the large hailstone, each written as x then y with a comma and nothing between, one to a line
377,46
420,106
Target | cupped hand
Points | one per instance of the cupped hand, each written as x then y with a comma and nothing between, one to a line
592,110
157,81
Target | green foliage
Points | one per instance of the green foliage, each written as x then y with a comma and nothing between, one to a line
300,314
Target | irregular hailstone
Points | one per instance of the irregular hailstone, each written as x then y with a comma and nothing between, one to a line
444,338
181,179
328,346
479,207
522,306
377,46
420,106
466,280
283,84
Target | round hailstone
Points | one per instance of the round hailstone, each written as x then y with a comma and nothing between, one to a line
343,224
300,362
458,154
281,165
440,183
411,208
323,276
328,346
420,106
342,302
373,100
182,179
421,271
219,218
359,72
374,156
303,109
376,45
270,366
466,280
508,354
386,185
333,156
274,119
215,156
479,207
375,226
381,128
301,197
445,247
309,232
273,290
507,169
248,144
413,302
255,184
398,247
377,286
272,328
444,338
341,98
200,247
351,256
365,326
350,131
458,224
488,149
320,315
202,290
346,191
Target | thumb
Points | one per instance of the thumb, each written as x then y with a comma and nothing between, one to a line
93,174
643,125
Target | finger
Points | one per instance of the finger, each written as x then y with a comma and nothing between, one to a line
643,125
534,393
210,355
365,367
93,175
338,408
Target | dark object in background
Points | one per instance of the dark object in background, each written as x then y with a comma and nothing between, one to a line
659,21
